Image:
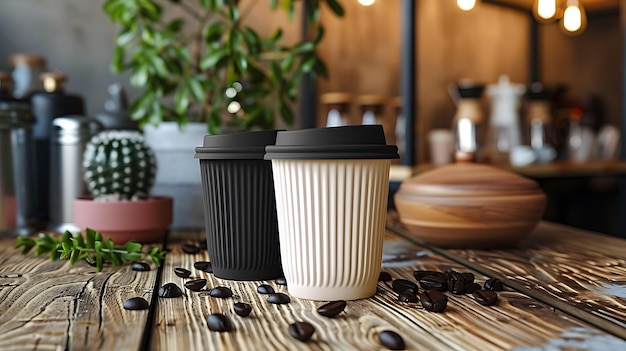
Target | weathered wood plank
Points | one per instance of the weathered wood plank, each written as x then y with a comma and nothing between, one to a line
48,305
580,272
516,321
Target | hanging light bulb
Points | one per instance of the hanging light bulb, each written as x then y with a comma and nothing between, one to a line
545,11
574,19
366,2
466,5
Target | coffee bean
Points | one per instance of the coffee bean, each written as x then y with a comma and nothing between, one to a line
281,281
421,274
384,277
190,249
140,266
485,297
407,296
400,285
433,300
195,285
136,303
181,272
219,322
202,244
469,277
221,292
301,330
456,283
471,287
170,290
243,309
494,284
332,309
434,282
265,289
278,299
204,266
391,340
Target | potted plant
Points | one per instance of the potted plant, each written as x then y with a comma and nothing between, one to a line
119,169
207,71
209,66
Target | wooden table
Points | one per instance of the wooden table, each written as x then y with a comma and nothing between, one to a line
565,290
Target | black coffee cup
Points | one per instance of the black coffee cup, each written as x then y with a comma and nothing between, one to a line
239,206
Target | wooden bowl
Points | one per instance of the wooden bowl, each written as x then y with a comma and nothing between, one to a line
467,205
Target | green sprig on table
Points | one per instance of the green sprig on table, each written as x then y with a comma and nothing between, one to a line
92,247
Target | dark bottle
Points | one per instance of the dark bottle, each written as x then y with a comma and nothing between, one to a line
47,105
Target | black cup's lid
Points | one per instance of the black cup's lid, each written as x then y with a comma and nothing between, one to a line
238,146
348,142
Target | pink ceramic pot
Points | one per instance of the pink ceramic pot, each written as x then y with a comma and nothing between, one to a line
142,221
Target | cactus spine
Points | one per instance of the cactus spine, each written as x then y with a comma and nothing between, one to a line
119,165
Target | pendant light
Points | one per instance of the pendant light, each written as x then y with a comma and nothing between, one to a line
574,19
467,5
546,11
366,2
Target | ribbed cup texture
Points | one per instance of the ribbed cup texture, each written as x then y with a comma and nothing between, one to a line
240,219
331,218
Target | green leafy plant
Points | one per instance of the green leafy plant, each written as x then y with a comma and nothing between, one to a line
208,65
92,247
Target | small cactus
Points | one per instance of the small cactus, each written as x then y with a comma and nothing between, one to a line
119,165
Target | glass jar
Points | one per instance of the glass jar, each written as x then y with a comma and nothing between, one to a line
26,71
337,108
372,108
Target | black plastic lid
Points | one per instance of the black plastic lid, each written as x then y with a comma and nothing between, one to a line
238,146
348,142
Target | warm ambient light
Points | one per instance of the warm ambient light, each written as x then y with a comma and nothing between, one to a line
466,5
574,18
367,2
545,10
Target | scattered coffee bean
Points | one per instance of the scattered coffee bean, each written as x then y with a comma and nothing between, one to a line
494,284
219,322
181,272
384,277
190,249
434,282
221,292
469,277
301,330
485,297
391,340
456,283
278,298
332,309
195,285
170,290
202,244
140,266
400,285
407,296
265,289
281,281
433,300
421,274
136,303
471,287
204,266
243,309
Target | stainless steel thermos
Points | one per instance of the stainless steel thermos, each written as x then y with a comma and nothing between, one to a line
16,164
69,137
